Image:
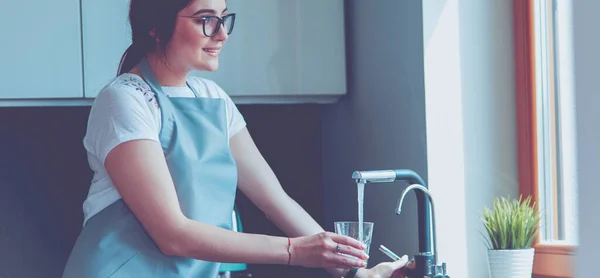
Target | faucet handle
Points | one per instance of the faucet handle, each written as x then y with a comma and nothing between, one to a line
439,271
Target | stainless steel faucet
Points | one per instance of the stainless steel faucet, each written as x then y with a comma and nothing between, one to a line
427,259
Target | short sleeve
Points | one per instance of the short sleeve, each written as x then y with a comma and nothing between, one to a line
235,118
119,114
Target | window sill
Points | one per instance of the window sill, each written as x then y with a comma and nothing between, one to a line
556,261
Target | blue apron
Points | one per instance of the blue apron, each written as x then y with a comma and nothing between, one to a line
194,139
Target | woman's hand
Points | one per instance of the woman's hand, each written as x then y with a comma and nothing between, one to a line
394,269
327,250
401,273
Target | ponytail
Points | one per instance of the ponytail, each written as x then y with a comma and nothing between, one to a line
132,56
146,17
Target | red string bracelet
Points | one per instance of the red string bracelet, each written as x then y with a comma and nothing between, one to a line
289,251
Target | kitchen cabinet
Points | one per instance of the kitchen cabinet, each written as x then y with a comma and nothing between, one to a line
106,35
284,50
63,52
279,51
40,49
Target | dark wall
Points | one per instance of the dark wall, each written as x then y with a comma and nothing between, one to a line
380,123
44,178
289,137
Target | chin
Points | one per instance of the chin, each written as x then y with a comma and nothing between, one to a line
211,66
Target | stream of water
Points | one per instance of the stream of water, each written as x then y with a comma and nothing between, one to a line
361,197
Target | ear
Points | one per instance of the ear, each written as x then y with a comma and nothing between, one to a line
152,34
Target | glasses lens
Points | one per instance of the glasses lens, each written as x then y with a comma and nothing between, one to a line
210,25
228,22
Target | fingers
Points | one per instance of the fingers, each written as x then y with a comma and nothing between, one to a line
400,263
349,247
400,267
340,251
346,240
348,250
345,262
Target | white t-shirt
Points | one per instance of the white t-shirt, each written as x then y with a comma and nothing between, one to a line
126,109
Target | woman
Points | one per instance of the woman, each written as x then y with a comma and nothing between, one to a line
168,151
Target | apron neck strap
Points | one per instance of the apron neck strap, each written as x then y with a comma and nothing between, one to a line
150,78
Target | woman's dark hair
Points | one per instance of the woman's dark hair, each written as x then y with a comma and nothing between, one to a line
152,23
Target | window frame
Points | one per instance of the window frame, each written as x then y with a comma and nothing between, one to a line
550,260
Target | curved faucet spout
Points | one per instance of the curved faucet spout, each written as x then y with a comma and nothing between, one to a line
433,231
424,215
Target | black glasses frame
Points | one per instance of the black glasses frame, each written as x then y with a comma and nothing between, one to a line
220,21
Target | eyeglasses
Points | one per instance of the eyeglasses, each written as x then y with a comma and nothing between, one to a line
212,23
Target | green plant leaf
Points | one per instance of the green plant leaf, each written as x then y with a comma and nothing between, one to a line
511,224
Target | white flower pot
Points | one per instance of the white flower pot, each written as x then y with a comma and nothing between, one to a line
511,263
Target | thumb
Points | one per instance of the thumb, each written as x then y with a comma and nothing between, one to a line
402,262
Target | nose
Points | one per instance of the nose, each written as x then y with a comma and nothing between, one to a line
221,34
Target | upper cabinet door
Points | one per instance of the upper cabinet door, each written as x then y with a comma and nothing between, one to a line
291,48
106,35
40,49
278,49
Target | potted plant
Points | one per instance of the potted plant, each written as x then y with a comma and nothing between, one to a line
511,226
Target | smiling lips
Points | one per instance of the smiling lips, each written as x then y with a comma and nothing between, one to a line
212,51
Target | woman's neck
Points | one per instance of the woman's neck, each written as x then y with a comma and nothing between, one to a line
165,74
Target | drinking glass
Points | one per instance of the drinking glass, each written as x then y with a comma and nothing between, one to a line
351,229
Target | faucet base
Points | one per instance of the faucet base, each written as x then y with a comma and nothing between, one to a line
423,263
425,267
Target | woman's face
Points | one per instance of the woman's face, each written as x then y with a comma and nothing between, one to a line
189,48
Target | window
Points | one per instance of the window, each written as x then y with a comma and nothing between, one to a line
546,128
555,124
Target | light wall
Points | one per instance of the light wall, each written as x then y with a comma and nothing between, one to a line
587,95
430,89
471,125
